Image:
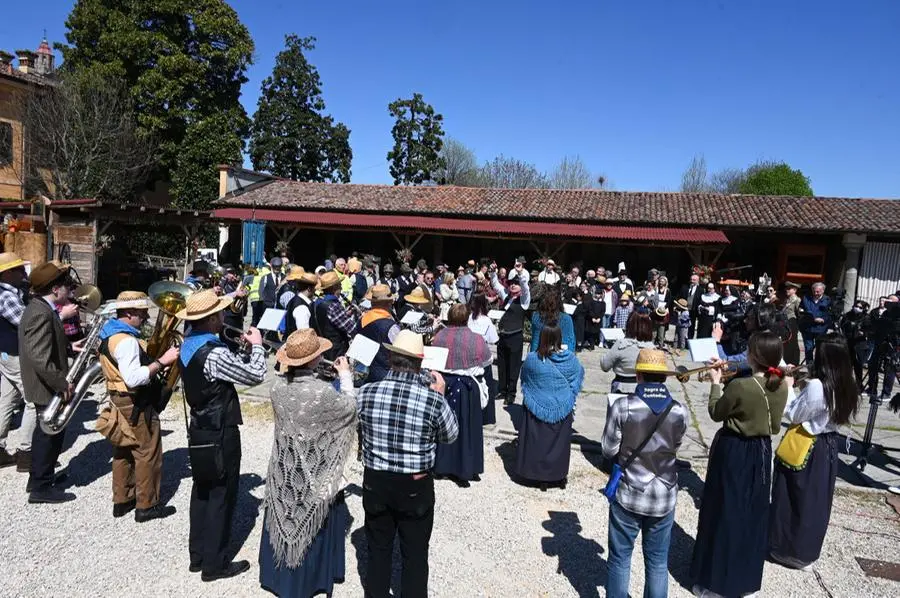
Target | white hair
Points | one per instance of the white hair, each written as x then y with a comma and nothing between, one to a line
819,285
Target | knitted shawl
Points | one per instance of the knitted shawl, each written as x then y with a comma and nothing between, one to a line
551,385
467,349
315,429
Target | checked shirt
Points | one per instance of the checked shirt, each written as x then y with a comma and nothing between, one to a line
402,420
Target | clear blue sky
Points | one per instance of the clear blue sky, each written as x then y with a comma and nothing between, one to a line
636,88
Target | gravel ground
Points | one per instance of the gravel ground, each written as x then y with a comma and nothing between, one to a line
493,539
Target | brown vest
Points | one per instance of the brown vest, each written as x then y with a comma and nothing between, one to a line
114,381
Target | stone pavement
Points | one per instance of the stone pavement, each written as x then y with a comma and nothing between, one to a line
590,416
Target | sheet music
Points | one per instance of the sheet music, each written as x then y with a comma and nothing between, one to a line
363,350
703,349
496,314
612,334
411,317
271,319
435,358
569,308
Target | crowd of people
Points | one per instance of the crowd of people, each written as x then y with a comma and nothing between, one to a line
413,425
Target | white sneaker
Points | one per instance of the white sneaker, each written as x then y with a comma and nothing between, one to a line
894,489
702,592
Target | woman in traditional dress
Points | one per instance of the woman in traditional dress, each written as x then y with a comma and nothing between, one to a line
481,324
706,311
728,308
466,393
579,317
551,380
301,553
596,314
550,308
801,499
732,535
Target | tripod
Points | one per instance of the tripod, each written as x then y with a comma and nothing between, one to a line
887,357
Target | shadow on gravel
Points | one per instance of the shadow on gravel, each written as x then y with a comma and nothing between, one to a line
245,512
86,412
690,481
681,550
580,559
92,463
358,539
516,413
507,453
175,468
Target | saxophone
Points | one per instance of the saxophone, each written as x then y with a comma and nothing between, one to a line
85,369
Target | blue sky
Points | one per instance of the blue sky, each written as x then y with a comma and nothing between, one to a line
636,88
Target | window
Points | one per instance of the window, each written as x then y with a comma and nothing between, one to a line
6,144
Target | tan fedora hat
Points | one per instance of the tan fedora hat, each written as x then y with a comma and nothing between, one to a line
132,300
379,292
329,280
45,274
301,347
9,261
201,304
296,273
417,296
407,343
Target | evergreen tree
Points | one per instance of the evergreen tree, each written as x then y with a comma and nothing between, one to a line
418,139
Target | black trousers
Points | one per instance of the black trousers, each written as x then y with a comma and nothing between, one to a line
45,451
692,329
396,503
258,309
509,363
212,507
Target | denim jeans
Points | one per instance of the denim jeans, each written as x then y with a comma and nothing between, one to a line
11,396
607,318
655,534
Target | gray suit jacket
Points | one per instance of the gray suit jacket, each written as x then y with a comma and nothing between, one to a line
42,348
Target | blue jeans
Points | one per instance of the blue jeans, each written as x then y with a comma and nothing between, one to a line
606,320
655,534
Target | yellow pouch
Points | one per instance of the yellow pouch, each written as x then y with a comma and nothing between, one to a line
795,448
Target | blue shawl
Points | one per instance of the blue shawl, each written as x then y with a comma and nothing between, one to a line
193,342
551,385
113,327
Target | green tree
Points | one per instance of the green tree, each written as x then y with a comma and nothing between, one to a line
183,63
775,179
418,139
291,136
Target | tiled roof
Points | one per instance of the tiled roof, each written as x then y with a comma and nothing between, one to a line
820,214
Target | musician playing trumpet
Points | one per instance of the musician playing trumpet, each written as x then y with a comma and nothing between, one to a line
331,319
132,380
231,286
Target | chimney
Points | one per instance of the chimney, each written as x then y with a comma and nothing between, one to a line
5,62
43,64
26,60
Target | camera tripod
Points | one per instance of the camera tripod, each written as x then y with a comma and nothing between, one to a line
887,357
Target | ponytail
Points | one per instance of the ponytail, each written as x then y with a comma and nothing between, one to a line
766,350
774,376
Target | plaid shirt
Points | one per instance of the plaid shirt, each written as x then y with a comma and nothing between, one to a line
656,499
402,420
620,316
11,305
339,316
72,326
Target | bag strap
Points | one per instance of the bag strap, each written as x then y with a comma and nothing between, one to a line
636,452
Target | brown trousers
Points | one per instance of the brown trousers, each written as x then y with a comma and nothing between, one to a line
137,472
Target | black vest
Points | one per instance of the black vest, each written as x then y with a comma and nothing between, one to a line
513,321
324,328
214,405
9,337
288,287
378,332
290,324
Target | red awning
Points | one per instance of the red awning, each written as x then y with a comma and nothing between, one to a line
509,228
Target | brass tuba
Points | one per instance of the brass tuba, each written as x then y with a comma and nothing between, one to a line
170,297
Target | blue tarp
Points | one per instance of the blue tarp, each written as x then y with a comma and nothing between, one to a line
254,242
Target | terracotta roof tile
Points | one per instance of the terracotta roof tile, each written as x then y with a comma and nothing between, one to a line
831,214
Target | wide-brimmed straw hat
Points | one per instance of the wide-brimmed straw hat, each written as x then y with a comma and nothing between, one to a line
417,296
379,292
662,311
301,347
681,304
295,273
201,304
407,343
132,300
354,265
9,261
329,280
652,361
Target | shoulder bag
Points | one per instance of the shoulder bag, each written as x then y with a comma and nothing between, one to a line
615,478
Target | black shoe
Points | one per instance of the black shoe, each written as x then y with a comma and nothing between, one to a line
6,460
52,496
509,400
195,567
23,461
123,508
58,479
157,511
235,568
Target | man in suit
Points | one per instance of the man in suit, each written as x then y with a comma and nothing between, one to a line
42,343
270,283
691,293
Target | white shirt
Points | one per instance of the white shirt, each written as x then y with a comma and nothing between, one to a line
608,300
301,314
549,277
483,326
128,356
810,409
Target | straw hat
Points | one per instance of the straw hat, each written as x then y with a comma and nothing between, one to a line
201,304
652,361
662,311
9,261
46,273
354,265
301,347
417,296
132,300
407,343
602,279
681,304
295,273
329,280
379,292
550,263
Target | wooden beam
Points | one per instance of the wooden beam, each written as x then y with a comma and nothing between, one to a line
103,228
414,243
292,234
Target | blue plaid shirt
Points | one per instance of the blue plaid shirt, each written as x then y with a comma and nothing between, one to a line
402,420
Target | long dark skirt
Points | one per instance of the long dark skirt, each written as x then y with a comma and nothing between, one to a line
322,566
543,451
489,413
792,346
464,458
705,326
732,536
801,505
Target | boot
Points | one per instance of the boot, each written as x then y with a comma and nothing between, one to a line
23,461
230,570
157,511
120,509
6,460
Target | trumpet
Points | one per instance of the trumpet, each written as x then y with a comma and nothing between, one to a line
243,346
325,370
684,374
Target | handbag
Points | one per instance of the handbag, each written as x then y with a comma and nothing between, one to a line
795,448
206,452
612,486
